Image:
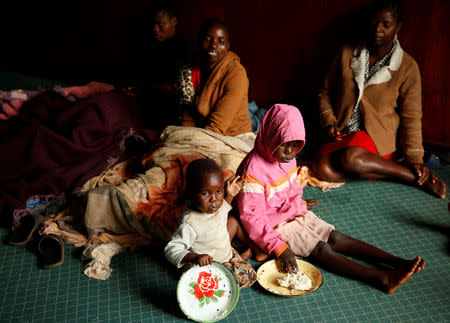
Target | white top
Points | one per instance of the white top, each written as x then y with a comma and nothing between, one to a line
201,233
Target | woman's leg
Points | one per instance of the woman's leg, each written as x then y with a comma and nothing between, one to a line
235,230
388,281
364,251
355,162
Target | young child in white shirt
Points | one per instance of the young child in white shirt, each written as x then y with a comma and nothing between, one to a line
205,230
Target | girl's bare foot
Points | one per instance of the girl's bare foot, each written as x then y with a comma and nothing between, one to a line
407,263
246,254
438,188
261,256
399,275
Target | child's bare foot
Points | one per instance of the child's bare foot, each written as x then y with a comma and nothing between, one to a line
94,240
261,256
399,275
94,236
438,188
246,254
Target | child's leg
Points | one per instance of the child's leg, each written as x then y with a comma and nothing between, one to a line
386,280
362,250
235,230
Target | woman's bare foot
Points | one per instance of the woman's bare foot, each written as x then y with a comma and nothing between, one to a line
246,254
420,266
399,275
438,188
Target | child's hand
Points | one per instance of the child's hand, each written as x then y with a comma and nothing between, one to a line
235,186
311,203
204,260
288,261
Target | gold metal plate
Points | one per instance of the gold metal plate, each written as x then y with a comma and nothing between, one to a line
270,271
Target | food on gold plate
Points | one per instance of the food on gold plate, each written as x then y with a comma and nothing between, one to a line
298,281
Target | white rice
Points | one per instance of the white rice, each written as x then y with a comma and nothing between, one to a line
295,281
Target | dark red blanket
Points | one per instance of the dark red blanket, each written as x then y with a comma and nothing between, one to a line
55,145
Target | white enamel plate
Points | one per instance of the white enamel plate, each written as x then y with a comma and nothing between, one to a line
208,293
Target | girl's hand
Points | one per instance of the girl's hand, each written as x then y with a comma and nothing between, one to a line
204,260
288,261
311,203
423,173
235,186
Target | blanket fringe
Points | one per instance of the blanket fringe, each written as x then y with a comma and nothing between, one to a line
101,256
306,177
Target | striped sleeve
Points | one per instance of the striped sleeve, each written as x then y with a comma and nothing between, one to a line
252,209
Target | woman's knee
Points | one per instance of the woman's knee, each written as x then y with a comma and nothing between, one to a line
324,170
352,159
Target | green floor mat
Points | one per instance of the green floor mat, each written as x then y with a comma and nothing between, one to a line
142,287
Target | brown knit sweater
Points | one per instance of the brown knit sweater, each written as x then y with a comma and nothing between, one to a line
222,105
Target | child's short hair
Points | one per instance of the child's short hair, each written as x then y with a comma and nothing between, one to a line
196,169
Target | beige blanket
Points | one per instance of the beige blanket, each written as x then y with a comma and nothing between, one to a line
139,202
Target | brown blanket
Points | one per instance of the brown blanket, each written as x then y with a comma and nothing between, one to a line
55,145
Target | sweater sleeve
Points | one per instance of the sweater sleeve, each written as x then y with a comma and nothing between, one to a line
327,116
226,107
251,204
187,119
410,111
179,245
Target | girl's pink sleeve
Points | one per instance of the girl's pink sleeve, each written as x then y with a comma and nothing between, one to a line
252,210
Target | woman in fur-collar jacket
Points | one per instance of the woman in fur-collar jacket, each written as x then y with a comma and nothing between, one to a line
371,95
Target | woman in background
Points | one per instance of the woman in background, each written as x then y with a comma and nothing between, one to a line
369,93
214,90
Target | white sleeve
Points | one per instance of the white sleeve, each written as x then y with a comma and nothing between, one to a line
179,245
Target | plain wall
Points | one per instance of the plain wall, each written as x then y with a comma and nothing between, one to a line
285,45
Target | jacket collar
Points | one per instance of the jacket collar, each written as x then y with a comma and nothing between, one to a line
358,64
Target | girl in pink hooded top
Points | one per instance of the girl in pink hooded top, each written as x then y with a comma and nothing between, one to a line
278,220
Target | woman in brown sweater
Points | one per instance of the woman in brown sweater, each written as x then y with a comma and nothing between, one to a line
214,90
371,92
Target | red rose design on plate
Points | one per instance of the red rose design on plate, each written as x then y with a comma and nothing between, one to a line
206,288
